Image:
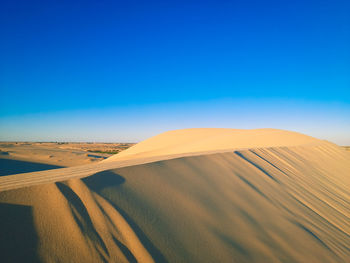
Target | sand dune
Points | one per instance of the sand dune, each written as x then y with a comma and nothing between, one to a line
208,140
199,195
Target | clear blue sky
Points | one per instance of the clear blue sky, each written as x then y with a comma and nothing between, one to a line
127,70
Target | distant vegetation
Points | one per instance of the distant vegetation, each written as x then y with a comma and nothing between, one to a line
346,148
109,152
109,149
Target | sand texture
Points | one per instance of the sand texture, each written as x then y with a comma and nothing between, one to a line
198,195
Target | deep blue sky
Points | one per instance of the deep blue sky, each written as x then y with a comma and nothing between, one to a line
141,67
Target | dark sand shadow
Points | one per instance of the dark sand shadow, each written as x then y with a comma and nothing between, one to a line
18,238
146,242
105,179
256,166
101,180
8,167
82,217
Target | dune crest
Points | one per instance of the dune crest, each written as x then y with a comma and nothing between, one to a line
202,140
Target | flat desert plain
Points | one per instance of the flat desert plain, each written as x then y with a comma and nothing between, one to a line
21,157
193,195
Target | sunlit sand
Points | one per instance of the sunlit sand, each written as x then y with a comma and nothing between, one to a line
194,195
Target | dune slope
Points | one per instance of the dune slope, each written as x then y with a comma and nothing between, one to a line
285,203
187,142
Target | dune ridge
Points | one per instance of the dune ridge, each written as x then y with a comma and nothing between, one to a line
202,140
284,203
169,145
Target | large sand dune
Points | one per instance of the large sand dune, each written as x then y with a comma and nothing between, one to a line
199,195
189,142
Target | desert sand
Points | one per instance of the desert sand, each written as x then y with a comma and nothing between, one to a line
194,195
21,157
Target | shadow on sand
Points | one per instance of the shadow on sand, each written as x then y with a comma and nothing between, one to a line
8,167
18,238
101,180
106,179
